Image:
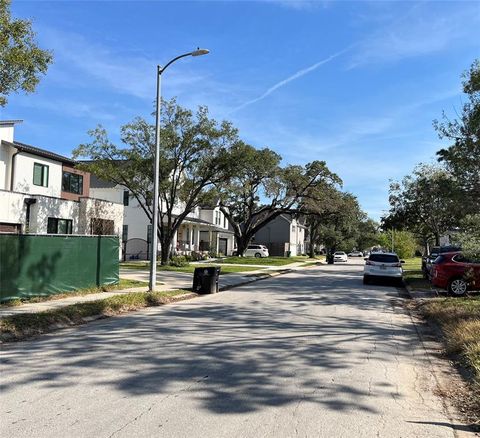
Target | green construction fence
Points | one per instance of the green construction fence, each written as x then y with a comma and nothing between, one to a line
41,265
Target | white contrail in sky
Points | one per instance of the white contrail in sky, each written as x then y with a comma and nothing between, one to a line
291,78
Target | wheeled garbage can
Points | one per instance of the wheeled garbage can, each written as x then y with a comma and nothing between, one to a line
205,280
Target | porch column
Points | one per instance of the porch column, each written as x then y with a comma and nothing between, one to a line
174,242
190,243
210,239
197,238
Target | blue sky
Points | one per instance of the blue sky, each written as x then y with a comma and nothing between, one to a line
356,84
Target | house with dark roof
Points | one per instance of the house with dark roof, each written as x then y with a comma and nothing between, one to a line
205,230
286,234
43,192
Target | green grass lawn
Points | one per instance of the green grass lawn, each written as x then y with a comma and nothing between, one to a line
190,268
267,261
413,274
123,284
225,270
413,264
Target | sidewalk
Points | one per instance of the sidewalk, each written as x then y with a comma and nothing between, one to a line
171,281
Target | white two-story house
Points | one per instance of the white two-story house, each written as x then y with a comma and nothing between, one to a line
204,230
42,192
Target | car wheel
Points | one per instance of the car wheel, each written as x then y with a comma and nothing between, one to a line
258,255
458,287
366,279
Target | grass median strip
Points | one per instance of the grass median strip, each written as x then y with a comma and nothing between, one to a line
122,284
459,321
24,325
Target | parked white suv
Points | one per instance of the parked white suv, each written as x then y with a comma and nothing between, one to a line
340,256
383,265
256,251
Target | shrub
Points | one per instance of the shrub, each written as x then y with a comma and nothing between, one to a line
179,261
196,256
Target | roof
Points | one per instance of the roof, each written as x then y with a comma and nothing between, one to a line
204,222
288,217
10,122
39,152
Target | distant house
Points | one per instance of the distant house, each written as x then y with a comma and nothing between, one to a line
282,235
42,192
204,230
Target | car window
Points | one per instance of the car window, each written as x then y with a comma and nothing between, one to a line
439,260
460,258
384,258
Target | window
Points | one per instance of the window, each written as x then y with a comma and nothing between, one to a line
224,222
102,227
293,228
384,258
40,174
126,197
125,233
59,226
72,183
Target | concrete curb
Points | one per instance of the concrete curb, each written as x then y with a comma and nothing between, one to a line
443,369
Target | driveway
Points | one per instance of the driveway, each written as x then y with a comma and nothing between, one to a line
313,353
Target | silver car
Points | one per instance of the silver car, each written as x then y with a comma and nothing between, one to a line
383,265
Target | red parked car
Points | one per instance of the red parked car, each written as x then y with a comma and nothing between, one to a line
456,273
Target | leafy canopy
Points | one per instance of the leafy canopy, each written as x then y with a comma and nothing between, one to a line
462,158
193,154
21,60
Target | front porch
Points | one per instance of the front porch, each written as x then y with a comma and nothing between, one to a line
203,238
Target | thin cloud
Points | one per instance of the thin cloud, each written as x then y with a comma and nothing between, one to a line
419,32
291,78
118,70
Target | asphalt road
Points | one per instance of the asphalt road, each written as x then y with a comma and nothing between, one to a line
313,353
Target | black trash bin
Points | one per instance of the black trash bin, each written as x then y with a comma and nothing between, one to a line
330,259
205,280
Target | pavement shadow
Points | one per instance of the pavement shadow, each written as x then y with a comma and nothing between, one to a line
231,357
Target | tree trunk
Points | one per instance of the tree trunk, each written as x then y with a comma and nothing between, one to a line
311,249
437,239
165,250
242,243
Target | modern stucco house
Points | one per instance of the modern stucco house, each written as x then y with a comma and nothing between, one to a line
283,234
42,192
204,230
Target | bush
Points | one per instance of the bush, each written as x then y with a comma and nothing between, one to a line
196,256
212,254
179,261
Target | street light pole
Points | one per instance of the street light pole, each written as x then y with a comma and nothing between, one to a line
156,168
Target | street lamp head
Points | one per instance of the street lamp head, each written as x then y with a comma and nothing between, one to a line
200,52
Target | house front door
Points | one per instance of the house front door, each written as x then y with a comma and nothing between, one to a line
222,246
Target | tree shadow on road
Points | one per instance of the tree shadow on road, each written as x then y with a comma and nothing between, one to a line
230,356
